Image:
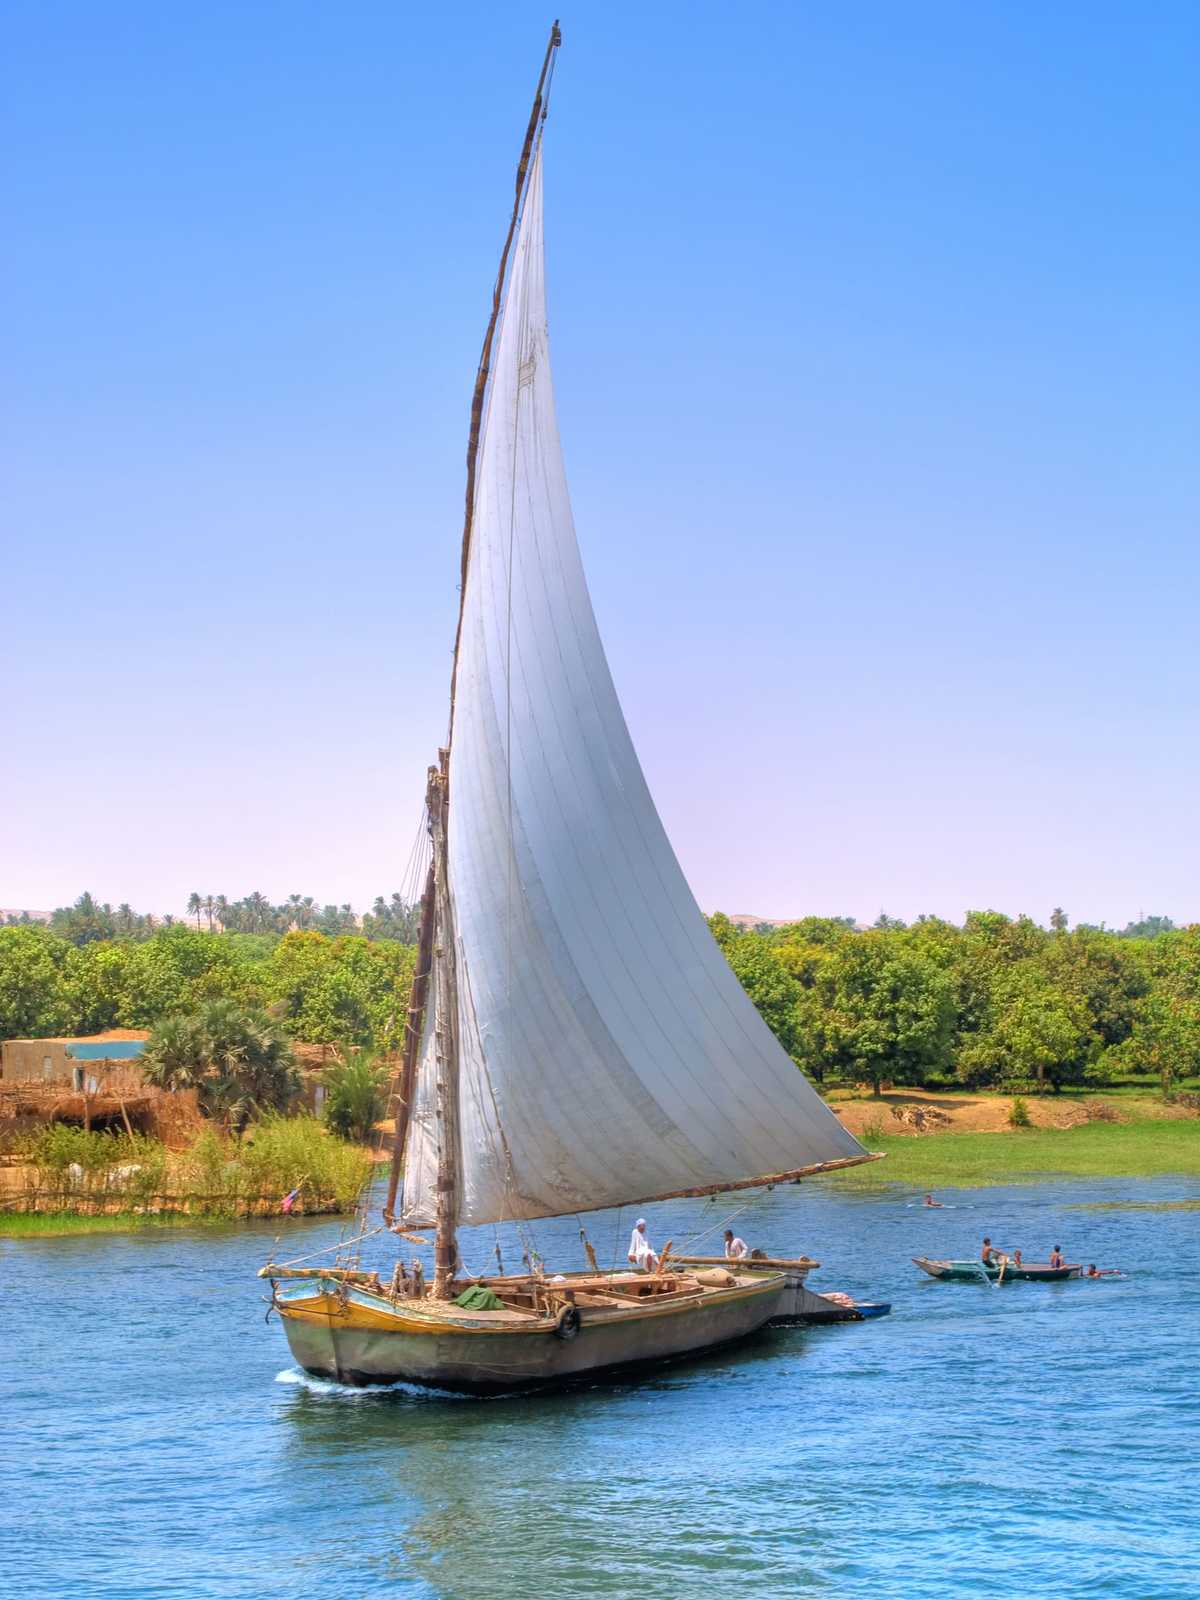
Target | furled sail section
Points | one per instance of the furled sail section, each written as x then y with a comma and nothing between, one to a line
607,1053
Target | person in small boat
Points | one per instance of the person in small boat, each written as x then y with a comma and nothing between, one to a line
930,1201
1056,1257
735,1249
1016,1258
988,1253
641,1251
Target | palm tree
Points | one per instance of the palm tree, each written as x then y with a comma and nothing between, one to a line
221,907
194,904
209,904
237,1057
174,1057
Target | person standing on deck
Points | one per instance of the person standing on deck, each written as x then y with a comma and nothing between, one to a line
641,1251
735,1249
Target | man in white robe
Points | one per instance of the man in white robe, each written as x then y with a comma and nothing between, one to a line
735,1249
641,1251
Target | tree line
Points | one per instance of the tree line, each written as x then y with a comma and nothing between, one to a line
996,1003
322,990
88,921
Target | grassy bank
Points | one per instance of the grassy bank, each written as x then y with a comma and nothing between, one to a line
58,1224
971,1160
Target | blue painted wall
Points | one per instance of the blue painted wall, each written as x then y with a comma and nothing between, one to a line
107,1050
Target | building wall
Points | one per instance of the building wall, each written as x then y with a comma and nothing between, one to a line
49,1061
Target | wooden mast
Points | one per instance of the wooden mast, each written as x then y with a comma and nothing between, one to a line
445,1250
445,1247
435,941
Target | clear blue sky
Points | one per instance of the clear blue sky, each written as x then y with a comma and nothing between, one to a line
876,340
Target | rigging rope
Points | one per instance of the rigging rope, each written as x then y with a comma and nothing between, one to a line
331,1248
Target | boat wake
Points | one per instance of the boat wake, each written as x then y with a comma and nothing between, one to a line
372,1391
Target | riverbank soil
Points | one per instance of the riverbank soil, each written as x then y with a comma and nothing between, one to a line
919,1112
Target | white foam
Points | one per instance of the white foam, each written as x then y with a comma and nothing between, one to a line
348,1391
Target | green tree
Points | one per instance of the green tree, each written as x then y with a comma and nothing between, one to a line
896,1010
35,998
1058,920
1036,1033
1165,1039
346,988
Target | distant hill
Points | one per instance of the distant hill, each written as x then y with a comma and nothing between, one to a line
34,916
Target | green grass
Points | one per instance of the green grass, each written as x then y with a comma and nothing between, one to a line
1093,1150
52,1225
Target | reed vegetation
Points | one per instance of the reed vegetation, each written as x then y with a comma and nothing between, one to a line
97,1175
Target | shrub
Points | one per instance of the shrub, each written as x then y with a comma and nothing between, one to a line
356,1094
285,1153
130,1166
1018,1114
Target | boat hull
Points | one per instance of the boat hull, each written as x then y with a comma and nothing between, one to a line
798,1304
362,1338
976,1271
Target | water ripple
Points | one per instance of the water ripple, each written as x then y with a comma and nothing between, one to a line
1026,1442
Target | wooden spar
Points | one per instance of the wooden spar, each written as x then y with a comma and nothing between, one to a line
766,1181
402,1091
536,116
445,1245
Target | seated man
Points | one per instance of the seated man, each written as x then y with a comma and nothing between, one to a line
735,1249
1056,1257
641,1251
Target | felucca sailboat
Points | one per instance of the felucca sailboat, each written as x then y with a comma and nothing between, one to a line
576,1039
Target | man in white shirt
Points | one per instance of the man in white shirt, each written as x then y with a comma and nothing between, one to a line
735,1249
641,1251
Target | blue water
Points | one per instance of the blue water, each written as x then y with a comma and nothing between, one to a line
1026,1441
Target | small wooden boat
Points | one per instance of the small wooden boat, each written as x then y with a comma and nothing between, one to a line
1004,1272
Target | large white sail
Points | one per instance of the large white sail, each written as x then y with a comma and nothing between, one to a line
608,1055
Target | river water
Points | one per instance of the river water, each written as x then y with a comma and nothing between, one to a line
1032,1440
